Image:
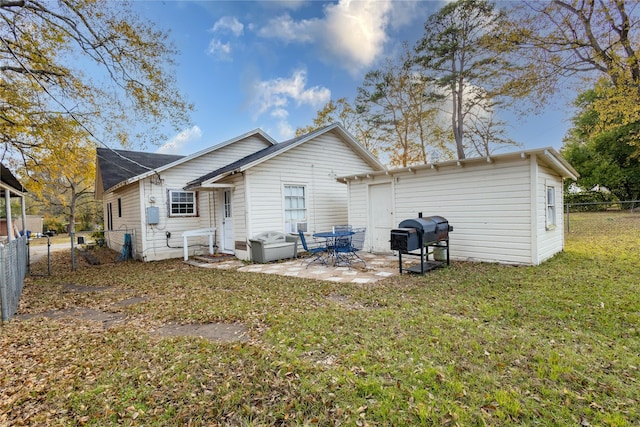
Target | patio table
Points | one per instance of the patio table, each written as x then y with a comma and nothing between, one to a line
331,242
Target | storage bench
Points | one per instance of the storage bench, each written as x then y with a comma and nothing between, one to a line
273,246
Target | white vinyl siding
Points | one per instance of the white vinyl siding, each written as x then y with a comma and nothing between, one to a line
550,239
128,201
314,165
151,241
489,204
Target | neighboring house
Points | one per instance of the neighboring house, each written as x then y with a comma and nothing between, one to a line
10,187
239,188
506,208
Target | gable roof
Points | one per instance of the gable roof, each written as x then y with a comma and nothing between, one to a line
270,152
120,167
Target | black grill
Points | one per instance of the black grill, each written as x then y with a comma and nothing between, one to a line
422,234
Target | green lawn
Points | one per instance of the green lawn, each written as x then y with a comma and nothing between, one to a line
474,344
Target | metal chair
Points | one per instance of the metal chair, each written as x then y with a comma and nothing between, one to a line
347,251
342,241
318,251
357,242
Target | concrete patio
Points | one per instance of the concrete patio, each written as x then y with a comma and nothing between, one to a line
377,267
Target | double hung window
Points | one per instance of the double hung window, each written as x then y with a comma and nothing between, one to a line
551,208
295,208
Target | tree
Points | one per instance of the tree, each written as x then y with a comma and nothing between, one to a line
401,104
591,39
486,134
457,53
63,176
122,75
602,154
341,111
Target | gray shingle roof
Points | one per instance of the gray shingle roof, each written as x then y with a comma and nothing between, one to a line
246,160
119,165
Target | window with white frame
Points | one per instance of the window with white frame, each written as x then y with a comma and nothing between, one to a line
182,203
295,208
551,207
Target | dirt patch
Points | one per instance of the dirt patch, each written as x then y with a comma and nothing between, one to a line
345,302
219,332
130,301
82,289
107,319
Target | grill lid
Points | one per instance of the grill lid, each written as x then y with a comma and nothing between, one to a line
423,225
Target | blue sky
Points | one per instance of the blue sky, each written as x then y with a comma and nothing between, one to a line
273,65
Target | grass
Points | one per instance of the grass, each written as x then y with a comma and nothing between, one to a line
472,345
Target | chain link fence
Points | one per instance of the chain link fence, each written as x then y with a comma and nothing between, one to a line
13,269
632,206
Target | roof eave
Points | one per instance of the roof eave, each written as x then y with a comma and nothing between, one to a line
561,166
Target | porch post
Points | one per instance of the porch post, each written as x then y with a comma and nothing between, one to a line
7,200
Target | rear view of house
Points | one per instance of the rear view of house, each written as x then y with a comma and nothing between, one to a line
231,191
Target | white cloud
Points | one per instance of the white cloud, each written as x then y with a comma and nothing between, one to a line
280,113
175,144
285,130
224,25
351,33
286,29
274,97
356,31
228,24
219,49
276,93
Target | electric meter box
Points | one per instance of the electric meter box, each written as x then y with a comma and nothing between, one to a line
153,215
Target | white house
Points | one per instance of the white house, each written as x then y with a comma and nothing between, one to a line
506,208
233,190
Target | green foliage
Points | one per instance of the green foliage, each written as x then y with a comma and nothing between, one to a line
603,154
55,224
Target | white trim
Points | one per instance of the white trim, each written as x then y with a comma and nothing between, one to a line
561,166
198,232
533,188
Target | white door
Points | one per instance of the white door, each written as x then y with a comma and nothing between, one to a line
381,217
227,223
